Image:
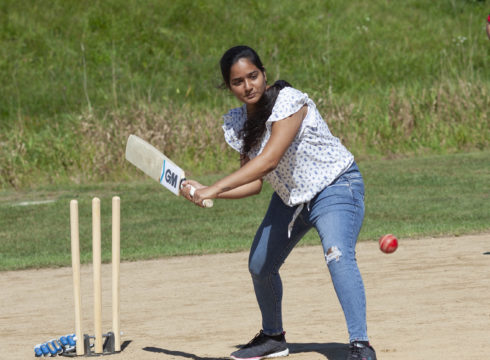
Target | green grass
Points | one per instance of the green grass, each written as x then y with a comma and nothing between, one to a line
406,77
393,80
429,195
409,197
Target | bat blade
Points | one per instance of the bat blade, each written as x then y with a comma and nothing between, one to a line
156,165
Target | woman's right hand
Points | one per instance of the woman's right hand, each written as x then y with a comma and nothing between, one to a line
185,188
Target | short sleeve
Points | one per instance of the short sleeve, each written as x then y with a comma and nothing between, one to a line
233,123
288,102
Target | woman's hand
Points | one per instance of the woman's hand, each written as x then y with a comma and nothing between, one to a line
185,189
201,192
204,193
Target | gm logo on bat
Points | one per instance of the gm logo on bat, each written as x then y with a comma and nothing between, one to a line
169,177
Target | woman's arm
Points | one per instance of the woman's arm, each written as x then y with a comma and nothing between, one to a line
283,133
252,188
240,192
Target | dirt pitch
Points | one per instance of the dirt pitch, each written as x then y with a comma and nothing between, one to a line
428,300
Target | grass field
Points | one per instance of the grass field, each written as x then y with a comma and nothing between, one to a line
410,197
390,77
405,81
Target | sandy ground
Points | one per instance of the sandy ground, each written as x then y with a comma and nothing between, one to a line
428,300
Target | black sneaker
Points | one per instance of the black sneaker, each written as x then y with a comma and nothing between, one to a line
262,346
359,351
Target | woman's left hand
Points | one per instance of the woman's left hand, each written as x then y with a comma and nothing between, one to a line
185,189
201,192
204,193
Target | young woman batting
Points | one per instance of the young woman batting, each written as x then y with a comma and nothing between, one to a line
283,139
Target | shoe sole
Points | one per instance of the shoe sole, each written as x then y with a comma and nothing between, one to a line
270,356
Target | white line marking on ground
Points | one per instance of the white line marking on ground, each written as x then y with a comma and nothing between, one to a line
35,202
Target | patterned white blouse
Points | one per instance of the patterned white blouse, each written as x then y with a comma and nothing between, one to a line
314,159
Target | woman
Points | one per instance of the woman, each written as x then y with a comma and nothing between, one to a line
283,139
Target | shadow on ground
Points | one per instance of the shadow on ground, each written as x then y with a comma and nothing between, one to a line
330,351
181,354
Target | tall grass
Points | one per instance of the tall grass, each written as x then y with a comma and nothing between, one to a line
78,77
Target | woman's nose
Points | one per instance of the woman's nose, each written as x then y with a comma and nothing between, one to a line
248,84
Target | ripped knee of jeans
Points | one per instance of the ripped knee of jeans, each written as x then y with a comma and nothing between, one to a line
333,254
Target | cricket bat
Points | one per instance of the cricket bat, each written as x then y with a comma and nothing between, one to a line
157,166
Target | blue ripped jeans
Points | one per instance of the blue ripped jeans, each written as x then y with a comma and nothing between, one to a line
336,213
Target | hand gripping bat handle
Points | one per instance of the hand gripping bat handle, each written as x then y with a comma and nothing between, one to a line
207,202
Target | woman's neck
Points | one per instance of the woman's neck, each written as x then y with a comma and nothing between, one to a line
250,108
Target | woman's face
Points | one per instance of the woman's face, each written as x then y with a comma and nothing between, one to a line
247,82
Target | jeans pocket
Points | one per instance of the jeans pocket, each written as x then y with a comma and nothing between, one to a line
356,186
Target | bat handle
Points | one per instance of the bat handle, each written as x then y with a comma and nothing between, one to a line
207,202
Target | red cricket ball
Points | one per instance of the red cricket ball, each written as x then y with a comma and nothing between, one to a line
388,243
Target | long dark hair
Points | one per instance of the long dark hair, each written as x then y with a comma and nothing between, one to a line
254,127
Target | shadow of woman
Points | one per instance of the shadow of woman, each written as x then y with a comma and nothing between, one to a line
330,351
181,354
